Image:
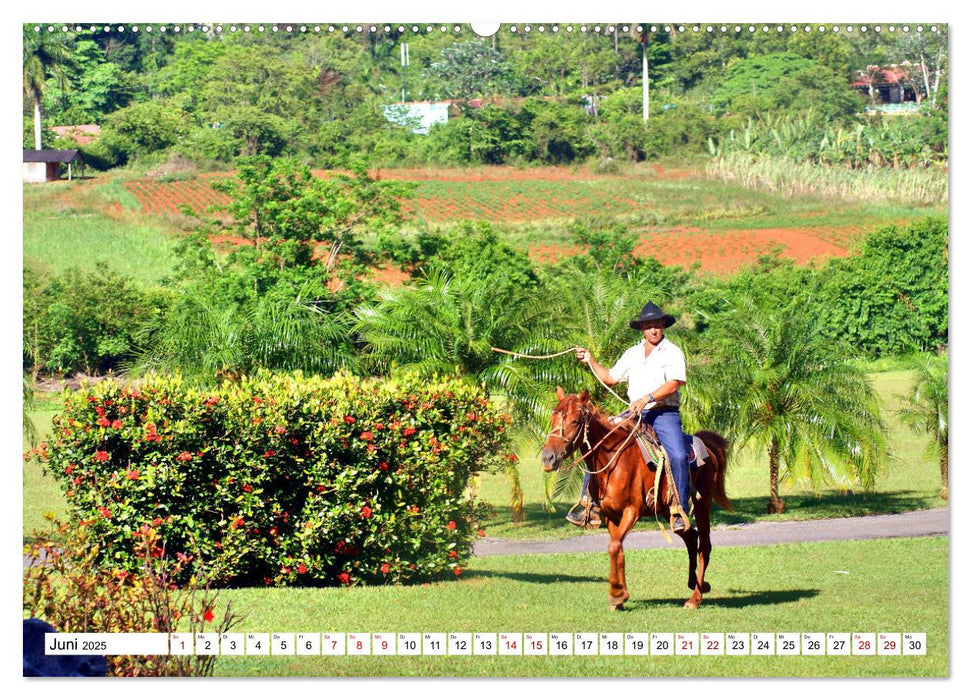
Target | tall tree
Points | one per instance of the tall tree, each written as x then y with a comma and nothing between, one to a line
45,56
775,382
925,407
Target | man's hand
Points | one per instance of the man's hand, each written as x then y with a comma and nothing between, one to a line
584,355
639,405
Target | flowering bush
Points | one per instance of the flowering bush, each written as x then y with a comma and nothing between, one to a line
282,479
66,586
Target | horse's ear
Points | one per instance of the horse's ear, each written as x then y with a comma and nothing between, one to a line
560,394
584,396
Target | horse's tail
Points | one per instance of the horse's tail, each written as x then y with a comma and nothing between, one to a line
718,447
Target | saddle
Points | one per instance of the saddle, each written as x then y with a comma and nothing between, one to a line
656,458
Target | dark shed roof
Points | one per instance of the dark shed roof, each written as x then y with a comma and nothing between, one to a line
50,156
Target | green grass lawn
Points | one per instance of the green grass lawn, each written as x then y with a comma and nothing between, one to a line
67,225
863,586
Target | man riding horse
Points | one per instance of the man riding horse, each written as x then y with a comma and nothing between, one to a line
655,372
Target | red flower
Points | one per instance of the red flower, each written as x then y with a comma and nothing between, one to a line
247,488
116,424
451,525
453,554
280,430
104,422
285,569
269,453
208,616
383,466
184,456
408,431
301,569
481,533
70,468
156,522
101,456
385,568
238,523
350,419
513,458
133,474
257,400
367,435
458,570
212,401
371,448
365,512
379,426
344,577
105,513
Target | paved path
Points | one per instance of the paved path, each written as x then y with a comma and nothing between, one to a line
921,523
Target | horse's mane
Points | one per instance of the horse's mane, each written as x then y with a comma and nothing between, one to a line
623,429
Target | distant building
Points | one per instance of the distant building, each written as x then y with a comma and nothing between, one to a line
419,116
82,134
887,89
45,166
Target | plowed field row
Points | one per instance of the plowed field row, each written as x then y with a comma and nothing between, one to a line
507,196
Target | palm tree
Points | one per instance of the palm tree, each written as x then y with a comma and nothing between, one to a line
448,325
46,54
774,381
925,407
285,328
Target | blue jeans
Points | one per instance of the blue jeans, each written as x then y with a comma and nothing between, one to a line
667,425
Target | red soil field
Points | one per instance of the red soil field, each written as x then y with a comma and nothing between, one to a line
723,252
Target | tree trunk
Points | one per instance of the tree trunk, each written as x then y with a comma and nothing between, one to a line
775,505
943,461
646,87
37,122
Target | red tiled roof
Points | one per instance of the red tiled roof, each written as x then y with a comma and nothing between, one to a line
81,133
892,75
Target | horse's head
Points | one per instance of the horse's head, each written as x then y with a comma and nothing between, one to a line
566,427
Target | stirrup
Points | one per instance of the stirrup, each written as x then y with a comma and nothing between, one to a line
580,518
680,514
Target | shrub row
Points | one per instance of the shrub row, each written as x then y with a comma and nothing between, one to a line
282,479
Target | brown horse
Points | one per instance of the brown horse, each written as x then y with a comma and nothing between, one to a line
623,481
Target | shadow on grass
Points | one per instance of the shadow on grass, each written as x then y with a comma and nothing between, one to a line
830,505
729,599
530,577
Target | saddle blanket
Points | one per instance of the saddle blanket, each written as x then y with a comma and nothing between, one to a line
697,451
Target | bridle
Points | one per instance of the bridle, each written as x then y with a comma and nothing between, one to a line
583,424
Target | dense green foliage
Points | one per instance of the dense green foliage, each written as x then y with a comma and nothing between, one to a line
538,97
281,478
83,321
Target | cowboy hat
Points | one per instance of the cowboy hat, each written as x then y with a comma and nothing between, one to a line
651,312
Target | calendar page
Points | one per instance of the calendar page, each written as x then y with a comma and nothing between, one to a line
593,345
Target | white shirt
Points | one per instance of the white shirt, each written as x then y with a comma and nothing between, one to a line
647,374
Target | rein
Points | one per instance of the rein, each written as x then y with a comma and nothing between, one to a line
585,423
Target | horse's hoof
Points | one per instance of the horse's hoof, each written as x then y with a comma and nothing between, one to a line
692,604
619,606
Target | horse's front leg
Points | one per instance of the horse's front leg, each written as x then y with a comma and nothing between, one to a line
690,538
618,530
